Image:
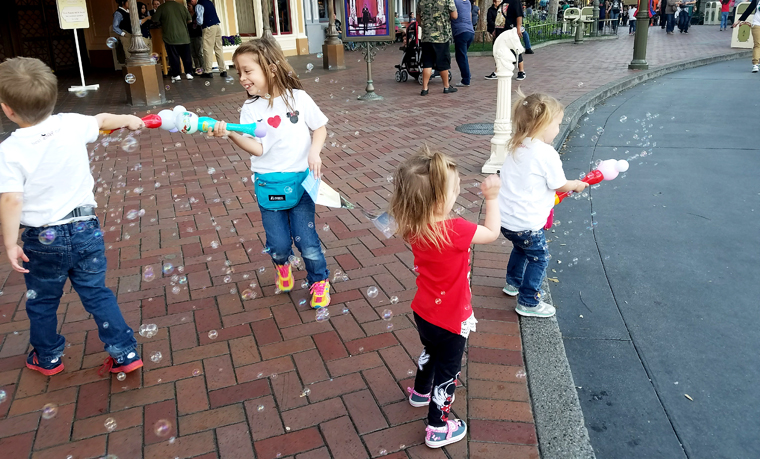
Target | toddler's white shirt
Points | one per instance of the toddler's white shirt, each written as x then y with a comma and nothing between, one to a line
529,177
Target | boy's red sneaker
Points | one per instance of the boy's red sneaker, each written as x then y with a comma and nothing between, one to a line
47,369
130,363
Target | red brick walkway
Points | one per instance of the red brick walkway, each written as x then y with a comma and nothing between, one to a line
242,393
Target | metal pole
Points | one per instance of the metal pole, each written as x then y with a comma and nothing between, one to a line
595,25
639,61
81,69
267,32
369,56
140,54
332,31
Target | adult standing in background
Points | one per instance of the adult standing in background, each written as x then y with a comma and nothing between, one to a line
207,18
155,4
434,16
196,40
474,13
502,17
671,8
122,26
753,7
174,17
615,14
464,34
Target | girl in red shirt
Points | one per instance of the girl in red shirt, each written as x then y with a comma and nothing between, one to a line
426,187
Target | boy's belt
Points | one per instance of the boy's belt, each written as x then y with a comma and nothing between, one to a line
80,212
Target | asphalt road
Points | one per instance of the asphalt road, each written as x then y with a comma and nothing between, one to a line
658,282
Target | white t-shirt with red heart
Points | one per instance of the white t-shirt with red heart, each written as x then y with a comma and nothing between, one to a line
288,139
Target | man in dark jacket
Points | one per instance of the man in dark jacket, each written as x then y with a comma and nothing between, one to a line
206,17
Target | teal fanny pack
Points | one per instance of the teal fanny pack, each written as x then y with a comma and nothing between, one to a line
279,190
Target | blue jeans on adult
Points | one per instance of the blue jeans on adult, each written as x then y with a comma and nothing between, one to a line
283,227
527,264
77,253
462,42
615,19
671,23
724,19
526,39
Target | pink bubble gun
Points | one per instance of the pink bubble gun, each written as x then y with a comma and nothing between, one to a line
205,124
151,122
607,170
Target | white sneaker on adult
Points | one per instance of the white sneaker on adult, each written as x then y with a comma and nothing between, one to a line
755,68
189,76
542,310
175,79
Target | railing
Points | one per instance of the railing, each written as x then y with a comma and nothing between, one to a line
542,32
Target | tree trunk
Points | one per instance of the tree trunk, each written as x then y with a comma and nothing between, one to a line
553,7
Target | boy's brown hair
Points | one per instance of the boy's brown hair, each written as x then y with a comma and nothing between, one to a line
29,88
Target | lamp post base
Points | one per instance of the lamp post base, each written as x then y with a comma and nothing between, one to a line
638,65
332,57
148,88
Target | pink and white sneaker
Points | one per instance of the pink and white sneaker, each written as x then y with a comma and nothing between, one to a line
452,432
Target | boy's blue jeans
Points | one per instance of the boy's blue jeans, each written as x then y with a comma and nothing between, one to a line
283,227
527,264
77,253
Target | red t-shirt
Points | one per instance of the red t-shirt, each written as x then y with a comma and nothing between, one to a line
443,285
725,7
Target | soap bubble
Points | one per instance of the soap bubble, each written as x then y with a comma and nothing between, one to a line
394,300
211,170
133,214
305,392
389,326
49,411
155,357
129,144
47,237
121,376
111,42
31,294
356,133
248,294
319,55
288,190
309,67
437,301
372,292
208,83
167,269
212,334
387,314
623,119
129,78
80,93
162,428
105,324
80,226
260,408
196,372
316,80
323,314
182,280
176,290
326,227
110,424
3,396
590,110
345,310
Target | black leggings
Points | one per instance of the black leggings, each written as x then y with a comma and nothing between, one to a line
177,52
438,368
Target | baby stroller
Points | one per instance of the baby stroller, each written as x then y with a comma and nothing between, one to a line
411,63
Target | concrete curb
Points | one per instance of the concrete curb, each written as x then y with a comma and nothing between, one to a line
557,412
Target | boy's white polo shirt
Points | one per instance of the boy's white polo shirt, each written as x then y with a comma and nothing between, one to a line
529,177
49,164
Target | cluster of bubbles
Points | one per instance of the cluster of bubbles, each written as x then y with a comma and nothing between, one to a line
322,315
148,330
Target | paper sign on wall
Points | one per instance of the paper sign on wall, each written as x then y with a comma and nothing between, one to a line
72,14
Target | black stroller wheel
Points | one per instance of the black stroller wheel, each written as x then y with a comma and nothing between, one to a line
398,76
404,75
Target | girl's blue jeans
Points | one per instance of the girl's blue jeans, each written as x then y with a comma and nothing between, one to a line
283,227
724,19
527,264
77,253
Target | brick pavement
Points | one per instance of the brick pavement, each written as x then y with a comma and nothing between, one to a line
240,392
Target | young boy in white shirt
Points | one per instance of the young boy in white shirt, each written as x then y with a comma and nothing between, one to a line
46,188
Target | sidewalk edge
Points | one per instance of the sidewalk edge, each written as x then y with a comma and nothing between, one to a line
560,424
575,110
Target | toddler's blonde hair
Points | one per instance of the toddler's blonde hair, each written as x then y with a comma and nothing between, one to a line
420,191
532,114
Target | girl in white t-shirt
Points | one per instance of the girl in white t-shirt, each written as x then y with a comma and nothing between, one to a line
531,175
282,159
